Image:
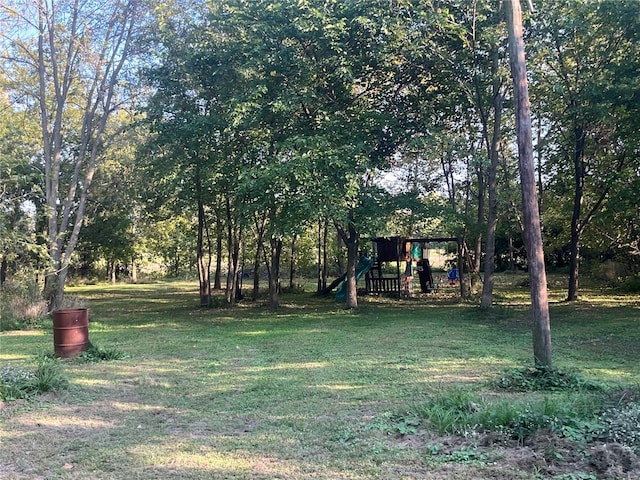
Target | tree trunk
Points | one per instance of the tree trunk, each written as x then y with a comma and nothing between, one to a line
256,264
492,185
320,286
59,67
531,215
274,272
474,269
234,239
578,196
325,256
352,260
463,280
134,271
350,237
4,265
203,270
292,263
340,256
217,277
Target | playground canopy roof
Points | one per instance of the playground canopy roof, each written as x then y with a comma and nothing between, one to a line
395,248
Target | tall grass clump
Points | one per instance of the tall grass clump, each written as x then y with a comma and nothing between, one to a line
19,382
462,413
99,354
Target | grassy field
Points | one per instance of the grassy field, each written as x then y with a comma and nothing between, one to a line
309,391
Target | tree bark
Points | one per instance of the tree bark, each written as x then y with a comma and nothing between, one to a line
492,185
217,276
320,284
4,265
531,215
576,227
256,264
292,262
203,269
350,237
274,272
134,271
234,239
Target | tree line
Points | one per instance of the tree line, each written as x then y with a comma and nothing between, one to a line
216,132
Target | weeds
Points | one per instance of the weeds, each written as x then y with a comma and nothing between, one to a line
17,383
437,454
21,307
622,425
97,354
542,378
463,413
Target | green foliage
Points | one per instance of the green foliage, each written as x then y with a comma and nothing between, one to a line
622,425
98,354
576,476
631,285
541,378
449,412
437,454
396,424
21,306
555,416
463,413
17,382
49,375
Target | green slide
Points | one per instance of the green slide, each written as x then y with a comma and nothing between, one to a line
364,264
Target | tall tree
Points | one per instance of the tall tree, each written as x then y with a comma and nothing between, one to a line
72,55
587,58
19,192
531,215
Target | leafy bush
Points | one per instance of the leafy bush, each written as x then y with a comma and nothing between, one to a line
541,378
622,425
631,285
17,382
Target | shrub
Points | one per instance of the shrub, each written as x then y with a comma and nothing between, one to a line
49,375
631,285
449,412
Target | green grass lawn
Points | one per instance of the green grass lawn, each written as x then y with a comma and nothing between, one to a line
309,391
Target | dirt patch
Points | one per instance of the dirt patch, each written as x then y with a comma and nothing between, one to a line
544,455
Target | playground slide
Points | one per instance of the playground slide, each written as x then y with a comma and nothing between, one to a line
362,268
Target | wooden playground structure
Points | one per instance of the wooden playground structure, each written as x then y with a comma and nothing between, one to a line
382,278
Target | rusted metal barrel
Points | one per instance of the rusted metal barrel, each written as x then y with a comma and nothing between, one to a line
70,331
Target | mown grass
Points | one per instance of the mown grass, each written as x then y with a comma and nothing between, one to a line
309,391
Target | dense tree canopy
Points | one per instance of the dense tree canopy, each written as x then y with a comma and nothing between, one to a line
265,124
